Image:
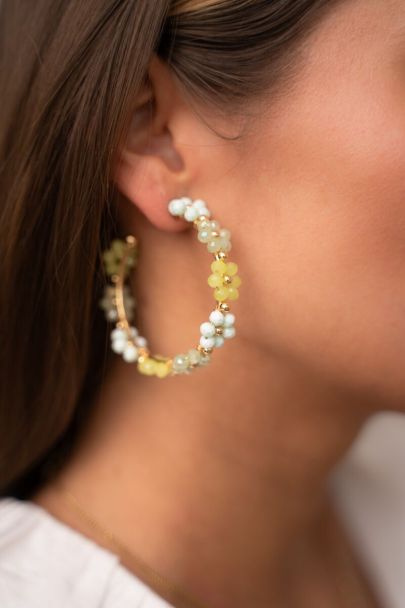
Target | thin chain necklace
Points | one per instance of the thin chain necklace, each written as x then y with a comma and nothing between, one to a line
172,593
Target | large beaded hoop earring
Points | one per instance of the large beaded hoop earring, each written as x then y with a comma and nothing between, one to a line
118,303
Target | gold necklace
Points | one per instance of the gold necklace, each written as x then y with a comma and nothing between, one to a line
172,593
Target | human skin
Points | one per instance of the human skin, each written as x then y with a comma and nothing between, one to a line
218,479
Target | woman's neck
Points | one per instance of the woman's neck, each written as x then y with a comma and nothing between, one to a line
217,479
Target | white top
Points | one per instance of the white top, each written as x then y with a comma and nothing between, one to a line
46,564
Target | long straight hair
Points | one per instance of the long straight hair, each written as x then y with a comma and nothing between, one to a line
70,75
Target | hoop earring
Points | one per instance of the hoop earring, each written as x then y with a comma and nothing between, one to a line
118,303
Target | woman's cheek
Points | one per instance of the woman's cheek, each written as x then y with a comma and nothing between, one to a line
333,294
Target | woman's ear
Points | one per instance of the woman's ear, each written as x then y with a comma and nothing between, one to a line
150,170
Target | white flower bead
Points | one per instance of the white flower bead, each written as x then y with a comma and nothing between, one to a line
118,334
119,345
111,315
229,332
207,329
219,341
207,342
200,204
229,319
205,212
141,342
130,353
133,332
177,206
191,214
217,318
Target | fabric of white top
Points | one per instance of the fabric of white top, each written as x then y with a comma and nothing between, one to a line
46,564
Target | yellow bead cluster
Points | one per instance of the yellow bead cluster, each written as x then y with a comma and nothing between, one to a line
150,366
224,280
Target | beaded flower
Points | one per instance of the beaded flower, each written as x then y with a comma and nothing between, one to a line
107,303
225,280
113,257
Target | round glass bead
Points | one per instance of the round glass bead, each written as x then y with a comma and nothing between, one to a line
217,318
214,245
204,236
207,329
215,280
221,294
180,363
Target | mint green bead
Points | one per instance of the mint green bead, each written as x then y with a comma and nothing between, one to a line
204,236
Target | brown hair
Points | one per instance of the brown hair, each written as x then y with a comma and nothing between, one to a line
70,73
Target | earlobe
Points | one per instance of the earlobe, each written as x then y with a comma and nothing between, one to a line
141,180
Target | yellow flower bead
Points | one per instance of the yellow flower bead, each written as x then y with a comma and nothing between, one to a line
218,267
118,247
231,268
236,281
147,366
221,294
162,369
215,280
233,293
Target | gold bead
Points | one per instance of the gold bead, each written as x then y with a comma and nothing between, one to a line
204,351
227,279
219,331
214,234
223,307
220,255
143,353
131,240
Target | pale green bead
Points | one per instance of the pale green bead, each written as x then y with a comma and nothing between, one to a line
224,244
194,356
204,225
180,363
205,359
214,245
204,236
225,234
